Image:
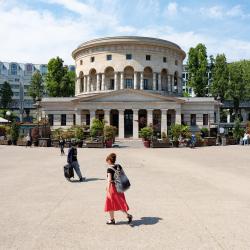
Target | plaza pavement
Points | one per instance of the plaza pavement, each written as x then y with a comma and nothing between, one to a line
180,199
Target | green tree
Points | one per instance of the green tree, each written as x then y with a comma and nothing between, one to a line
237,89
36,88
60,82
220,77
197,69
6,95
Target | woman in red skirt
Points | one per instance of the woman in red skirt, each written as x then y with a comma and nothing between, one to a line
114,201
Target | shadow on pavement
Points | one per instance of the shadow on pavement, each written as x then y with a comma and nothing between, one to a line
87,180
144,221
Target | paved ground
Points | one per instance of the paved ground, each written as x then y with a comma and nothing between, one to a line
180,199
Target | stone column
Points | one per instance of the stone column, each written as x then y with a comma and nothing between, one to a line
92,116
115,81
169,83
78,117
135,124
149,117
154,81
159,82
122,81
141,81
103,82
135,80
98,78
107,116
88,84
84,84
121,124
164,121
228,118
178,116
77,86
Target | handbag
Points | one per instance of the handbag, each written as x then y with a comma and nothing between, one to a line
121,181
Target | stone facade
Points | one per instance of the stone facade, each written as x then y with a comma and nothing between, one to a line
130,82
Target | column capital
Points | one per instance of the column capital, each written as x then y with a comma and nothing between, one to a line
164,110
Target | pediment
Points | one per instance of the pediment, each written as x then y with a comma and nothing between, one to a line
129,95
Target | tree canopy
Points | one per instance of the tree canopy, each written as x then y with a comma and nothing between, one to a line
220,73
198,69
60,82
36,89
6,95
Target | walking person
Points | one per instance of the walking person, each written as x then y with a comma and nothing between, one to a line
114,201
245,139
62,145
72,160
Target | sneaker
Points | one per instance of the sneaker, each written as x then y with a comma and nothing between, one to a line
82,179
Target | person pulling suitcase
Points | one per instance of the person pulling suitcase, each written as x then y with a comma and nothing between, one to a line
72,160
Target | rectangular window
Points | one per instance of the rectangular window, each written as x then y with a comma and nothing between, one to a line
109,57
169,120
193,119
128,56
112,84
80,62
145,83
74,119
182,119
148,57
51,119
63,120
128,83
215,117
205,119
92,59
164,59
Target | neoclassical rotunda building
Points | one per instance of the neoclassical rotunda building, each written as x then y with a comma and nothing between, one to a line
130,82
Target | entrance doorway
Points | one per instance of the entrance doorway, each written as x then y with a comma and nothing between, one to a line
114,118
128,123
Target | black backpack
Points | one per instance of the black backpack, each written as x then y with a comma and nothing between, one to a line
121,181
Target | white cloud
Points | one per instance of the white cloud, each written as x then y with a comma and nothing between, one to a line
171,9
29,35
219,12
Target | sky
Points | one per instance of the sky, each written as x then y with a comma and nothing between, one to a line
37,30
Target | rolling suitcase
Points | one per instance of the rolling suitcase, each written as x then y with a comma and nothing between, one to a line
68,171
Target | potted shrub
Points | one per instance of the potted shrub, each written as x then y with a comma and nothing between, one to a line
14,133
146,134
199,140
79,134
238,132
109,134
96,133
175,132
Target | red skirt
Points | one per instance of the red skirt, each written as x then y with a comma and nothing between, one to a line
115,201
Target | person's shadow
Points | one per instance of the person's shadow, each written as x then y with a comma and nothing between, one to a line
144,221
86,180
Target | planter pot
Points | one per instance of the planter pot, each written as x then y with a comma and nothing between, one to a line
176,144
109,143
5,142
80,143
44,142
146,144
35,143
21,143
94,145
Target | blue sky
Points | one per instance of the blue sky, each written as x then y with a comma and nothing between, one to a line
36,30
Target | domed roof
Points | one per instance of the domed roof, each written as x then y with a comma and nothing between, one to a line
128,40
